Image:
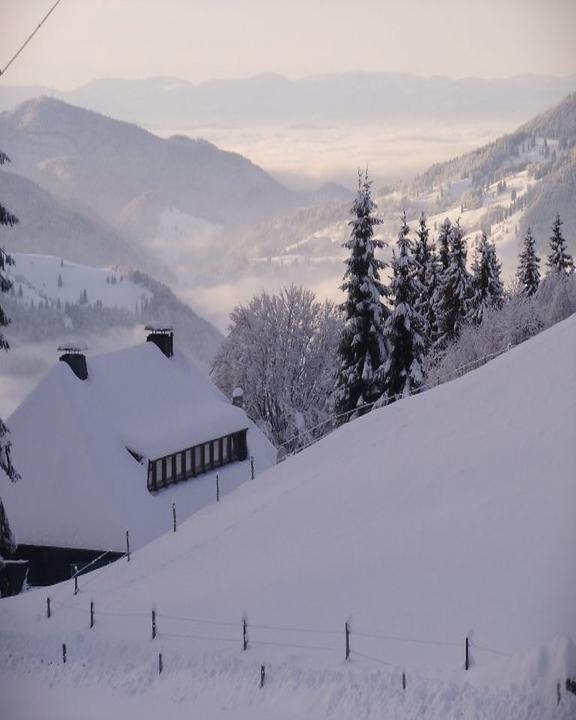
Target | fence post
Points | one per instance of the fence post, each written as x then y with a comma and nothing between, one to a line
153,624
217,488
64,653
262,675
403,681
75,584
48,611
160,665
558,694
174,516
128,545
347,629
244,633
252,466
91,614
467,661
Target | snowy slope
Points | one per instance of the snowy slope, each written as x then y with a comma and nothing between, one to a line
444,515
39,277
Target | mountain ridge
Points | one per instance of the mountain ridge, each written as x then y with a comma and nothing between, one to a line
105,163
271,97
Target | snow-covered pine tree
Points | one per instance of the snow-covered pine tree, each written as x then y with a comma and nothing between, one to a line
404,328
528,272
443,244
6,538
454,290
362,349
432,290
426,263
559,260
486,286
421,249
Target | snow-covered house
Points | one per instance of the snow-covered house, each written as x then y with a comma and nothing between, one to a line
118,442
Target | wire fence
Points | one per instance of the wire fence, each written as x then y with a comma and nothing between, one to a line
337,642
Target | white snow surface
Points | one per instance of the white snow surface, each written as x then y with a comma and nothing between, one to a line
445,515
80,486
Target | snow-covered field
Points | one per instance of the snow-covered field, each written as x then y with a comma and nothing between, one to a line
444,516
44,277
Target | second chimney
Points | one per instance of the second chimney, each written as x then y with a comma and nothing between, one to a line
162,335
73,356
238,397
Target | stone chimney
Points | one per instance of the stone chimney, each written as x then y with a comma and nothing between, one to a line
73,355
162,335
238,397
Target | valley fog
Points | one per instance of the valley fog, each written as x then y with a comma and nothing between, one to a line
306,155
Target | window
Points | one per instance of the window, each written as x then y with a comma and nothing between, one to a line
193,461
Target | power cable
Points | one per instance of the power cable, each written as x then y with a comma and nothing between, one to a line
30,36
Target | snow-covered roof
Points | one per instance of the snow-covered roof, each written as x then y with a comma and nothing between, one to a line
80,486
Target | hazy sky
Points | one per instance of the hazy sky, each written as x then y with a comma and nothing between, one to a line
206,39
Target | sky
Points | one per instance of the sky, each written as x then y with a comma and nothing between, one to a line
201,40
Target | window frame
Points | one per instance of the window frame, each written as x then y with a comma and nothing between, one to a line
197,460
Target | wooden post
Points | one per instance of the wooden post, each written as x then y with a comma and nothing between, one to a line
48,611
217,488
160,665
128,545
558,694
75,584
174,516
153,624
262,675
252,466
64,653
467,661
244,633
91,614
403,681
347,629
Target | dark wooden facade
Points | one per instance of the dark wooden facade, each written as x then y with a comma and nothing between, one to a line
196,460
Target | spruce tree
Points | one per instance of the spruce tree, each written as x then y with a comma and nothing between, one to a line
559,260
454,290
528,272
427,269
443,244
421,249
6,538
431,293
486,286
362,349
404,329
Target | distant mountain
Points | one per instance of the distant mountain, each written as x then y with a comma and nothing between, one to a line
558,123
556,193
357,97
104,165
48,226
523,178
